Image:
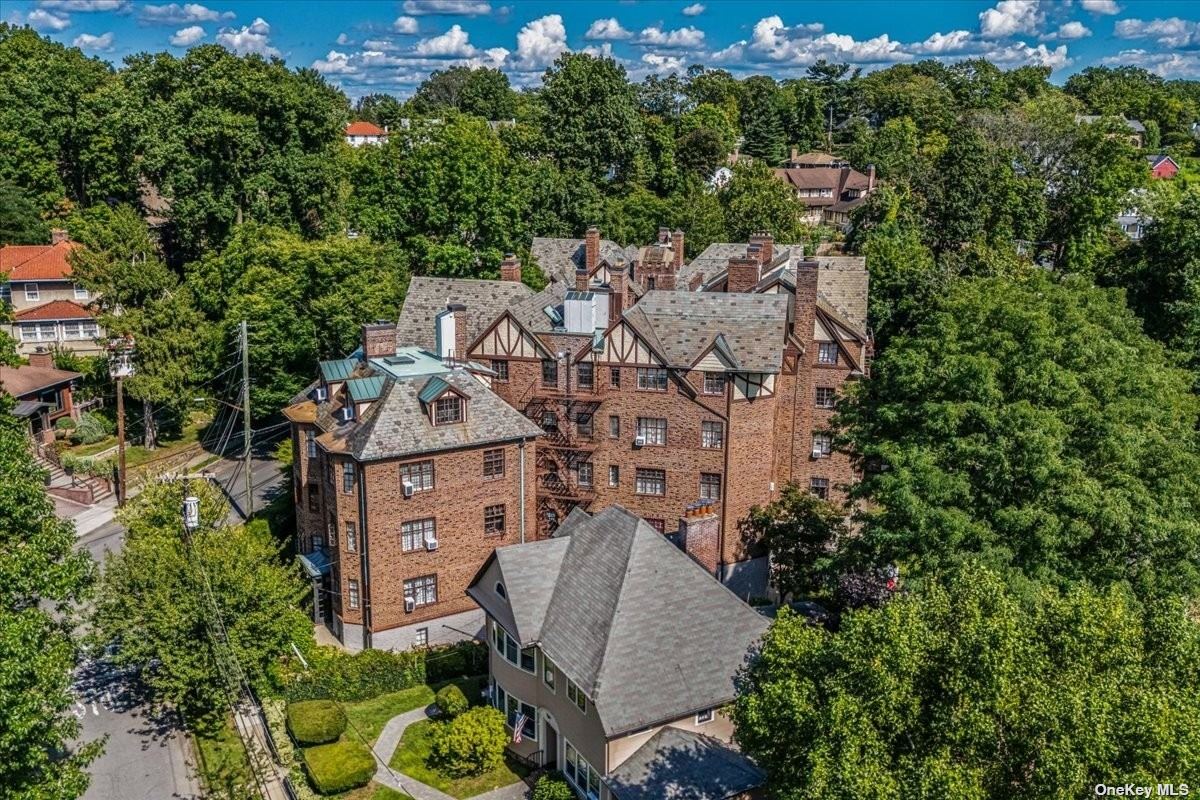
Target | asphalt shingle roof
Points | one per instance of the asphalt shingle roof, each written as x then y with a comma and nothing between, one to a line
427,297
675,764
637,624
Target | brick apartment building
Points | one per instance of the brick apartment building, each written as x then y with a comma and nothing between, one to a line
686,393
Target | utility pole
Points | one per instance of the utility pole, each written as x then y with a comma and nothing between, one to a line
246,418
120,367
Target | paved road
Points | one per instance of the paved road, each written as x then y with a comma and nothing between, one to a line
146,757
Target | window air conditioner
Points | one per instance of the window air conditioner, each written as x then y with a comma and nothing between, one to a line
817,452
408,489
431,543
409,605
639,441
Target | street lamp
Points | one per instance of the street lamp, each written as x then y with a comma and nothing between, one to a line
120,367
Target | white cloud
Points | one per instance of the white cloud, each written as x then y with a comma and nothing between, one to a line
1101,6
335,63
454,43
607,30
343,39
694,10
119,6
1069,31
664,63
1010,17
44,20
383,45
602,50
800,44
457,8
176,14
405,25
940,43
1168,65
186,37
1020,54
252,38
541,41
99,44
1170,32
655,36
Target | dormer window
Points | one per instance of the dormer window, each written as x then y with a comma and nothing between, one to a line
448,409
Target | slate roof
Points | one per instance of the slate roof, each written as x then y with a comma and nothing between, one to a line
640,627
1134,125
42,262
715,259
427,297
842,282
397,424
675,764
559,258
25,380
683,325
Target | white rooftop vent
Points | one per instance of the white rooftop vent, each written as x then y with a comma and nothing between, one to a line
580,311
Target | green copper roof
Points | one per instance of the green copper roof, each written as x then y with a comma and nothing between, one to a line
364,389
432,390
338,370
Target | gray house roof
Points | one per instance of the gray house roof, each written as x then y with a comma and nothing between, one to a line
686,324
559,258
427,297
645,632
397,424
842,282
715,259
682,765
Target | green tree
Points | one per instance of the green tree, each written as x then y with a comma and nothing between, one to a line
591,121
755,200
762,121
479,91
964,692
41,577
20,222
802,532
1030,422
471,743
154,599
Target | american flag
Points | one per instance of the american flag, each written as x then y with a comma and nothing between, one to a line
517,726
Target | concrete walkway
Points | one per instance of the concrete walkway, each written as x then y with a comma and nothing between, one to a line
386,745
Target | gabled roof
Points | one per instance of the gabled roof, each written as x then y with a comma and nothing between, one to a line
427,297
842,283
684,765
715,259
44,262
559,258
434,388
1159,158
362,128
53,310
338,370
684,324
364,390
21,381
637,624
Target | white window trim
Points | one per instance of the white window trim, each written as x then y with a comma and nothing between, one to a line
706,716
81,293
32,292
583,791
533,737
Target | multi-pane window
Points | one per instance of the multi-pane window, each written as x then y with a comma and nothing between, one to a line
314,498
5,292
348,477
81,292
419,474
659,525
580,773
576,696
447,410
38,332
822,445
548,673
310,444
825,396
493,464
710,486
586,374
614,427
351,538
352,592
510,651
827,353
32,292
422,591
819,487
614,376
712,434
516,709
704,716
614,475
583,424
80,329
584,472
413,534
549,422
549,372
714,383
493,520
652,379
421,637
651,481
500,367
652,429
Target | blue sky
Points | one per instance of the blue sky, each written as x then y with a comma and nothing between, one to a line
392,45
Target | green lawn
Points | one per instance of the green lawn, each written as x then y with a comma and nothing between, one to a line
412,757
223,764
369,716
374,791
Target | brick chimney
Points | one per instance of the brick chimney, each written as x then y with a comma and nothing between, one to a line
870,178
379,339
677,246
510,268
618,283
41,358
591,248
695,281
700,535
804,311
58,235
581,280
766,246
664,235
460,329
742,274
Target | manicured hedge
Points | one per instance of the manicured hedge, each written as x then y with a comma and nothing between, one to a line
470,744
342,676
553,787
315,721
451,701
339,767
455,661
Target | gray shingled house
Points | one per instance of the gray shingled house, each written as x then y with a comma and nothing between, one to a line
614,654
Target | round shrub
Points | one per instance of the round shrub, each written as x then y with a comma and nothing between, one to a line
339,767
64,424
92,428
470,744
451,701
315,721
552,787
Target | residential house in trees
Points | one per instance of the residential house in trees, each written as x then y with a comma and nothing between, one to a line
828,187
43,394
1135,130
1162,166
49,309
359,133
614,654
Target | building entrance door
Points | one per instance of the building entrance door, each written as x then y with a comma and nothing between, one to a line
550,754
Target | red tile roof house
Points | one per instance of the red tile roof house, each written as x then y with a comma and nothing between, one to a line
49,308
828,188
360,133
43,393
